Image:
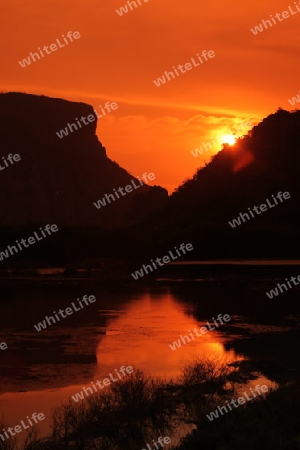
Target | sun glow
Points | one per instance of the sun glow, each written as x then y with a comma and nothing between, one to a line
229,139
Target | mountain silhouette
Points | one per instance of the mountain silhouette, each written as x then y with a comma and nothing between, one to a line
259,165
59,179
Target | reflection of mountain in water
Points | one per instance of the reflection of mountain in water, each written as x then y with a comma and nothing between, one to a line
137,332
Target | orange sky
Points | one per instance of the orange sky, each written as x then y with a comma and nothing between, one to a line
117,58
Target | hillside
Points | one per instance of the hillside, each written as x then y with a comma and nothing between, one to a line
259,165
58,180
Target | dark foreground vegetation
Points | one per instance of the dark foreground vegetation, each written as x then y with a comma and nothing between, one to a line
139,409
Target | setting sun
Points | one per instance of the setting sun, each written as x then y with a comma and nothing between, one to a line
229,139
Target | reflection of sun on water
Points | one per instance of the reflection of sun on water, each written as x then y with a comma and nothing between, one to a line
138,335
141,336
